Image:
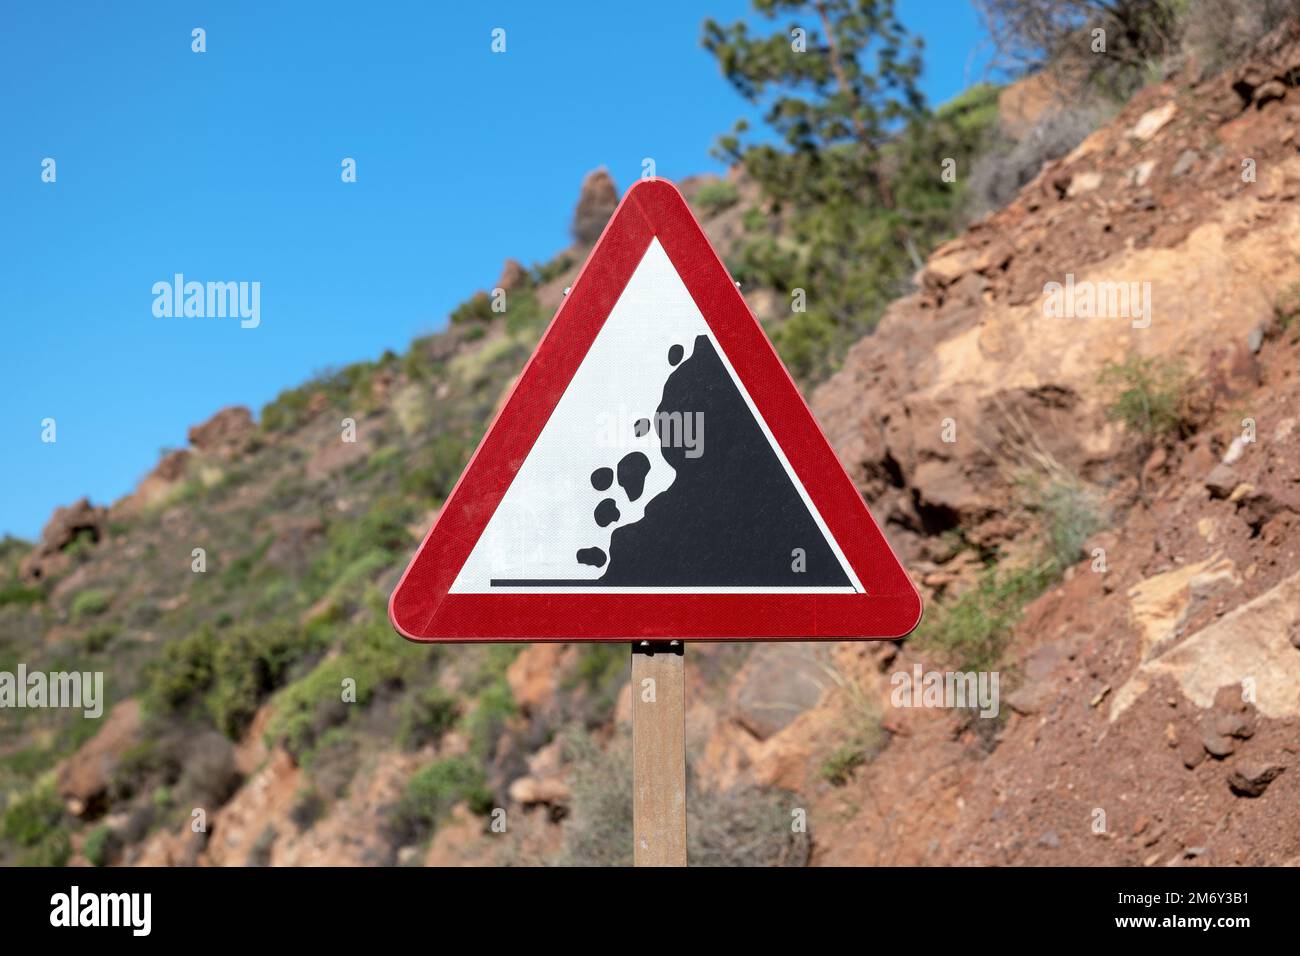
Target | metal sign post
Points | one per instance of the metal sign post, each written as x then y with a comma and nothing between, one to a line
659,753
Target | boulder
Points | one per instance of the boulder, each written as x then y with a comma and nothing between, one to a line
158,484
227,434
778,682
1249,640
1251,778
513,275
84,777
1153,121
534,676
49,558
531,791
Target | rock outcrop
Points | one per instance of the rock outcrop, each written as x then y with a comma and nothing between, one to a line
78,522
596,203
84,778
227,434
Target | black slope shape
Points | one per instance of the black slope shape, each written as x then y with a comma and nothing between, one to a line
732,517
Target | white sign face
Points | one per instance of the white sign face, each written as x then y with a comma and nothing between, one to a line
655,472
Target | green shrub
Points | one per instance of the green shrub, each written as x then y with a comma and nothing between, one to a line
436,468
380,530
552,269
369,654
349,588
838,768
1285,307
346,387
309,707
743,826
524,315
13,549
229,673
432,792
30,818
247,665
27,762
287,411
236,574
99,638
426,716
181,672
476,309
974,628
1070,514
308,807
602,669
495,705
713,197
101,846
141,768
598,664
82,544
1151,394
808,342
89,603
15,592
53,849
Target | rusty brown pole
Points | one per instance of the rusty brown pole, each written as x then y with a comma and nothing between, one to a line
658,753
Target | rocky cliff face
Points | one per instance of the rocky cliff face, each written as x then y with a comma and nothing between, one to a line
1153,695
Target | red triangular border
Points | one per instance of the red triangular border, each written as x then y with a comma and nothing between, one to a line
421,608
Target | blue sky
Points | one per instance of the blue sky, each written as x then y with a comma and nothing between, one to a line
225,165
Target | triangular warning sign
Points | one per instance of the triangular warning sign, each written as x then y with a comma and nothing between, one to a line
654,474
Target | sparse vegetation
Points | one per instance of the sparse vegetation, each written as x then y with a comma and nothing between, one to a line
432,792
1286,307
14,592
426,715
89,603
598,831
863,734
101,845
972,630
350,388
223,676
436,468
741,826
716,196
1151,395
838,768
1070,515
494,706
476,309
601,671
308,807
33,822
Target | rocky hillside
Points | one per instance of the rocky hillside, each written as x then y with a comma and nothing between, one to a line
1101,510
1154,689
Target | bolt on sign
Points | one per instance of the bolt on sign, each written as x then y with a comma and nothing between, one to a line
655,474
